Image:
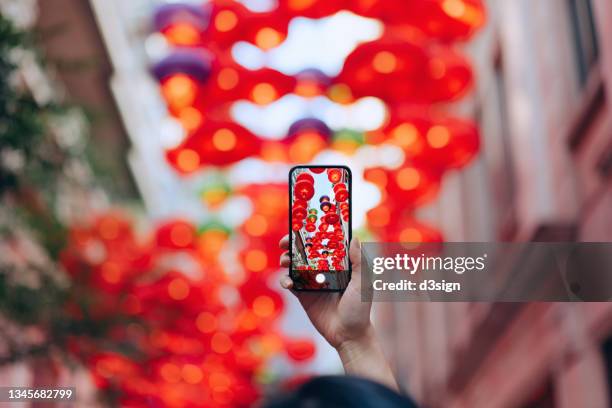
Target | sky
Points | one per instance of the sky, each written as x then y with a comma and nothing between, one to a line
322,44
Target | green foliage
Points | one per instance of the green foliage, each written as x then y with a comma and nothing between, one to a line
32,161
19,120
24,134
28,305
32,165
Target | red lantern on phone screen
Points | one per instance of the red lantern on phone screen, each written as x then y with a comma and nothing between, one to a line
304,190
334,175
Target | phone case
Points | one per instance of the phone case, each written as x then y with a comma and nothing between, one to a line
320,206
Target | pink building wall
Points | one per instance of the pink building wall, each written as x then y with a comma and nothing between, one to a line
560,140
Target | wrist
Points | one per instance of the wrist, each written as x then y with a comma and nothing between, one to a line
355,352
353,347
363,356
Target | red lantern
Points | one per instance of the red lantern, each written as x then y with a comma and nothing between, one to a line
406,70
182,74
444,20
296,226
176,235
262,300
267,37
180,100
216,144
410,185
304,190
305,138
266,30
300,203
297,203
306,177
334,175
231,22
181,24
299,213
331,218
224,28
310,227
342,195
339,186
323,227
317,170
453,143
439,142
231,82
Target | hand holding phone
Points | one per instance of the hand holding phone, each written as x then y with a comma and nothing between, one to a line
320,227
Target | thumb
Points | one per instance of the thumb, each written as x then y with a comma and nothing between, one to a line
360,293
355,257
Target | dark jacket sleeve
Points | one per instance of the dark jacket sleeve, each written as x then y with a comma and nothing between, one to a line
340,392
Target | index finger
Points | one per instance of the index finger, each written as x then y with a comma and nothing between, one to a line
284,242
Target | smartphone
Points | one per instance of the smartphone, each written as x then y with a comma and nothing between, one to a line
320,227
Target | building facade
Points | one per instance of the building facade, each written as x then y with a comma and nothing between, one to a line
544,77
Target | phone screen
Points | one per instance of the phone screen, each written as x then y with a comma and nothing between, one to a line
320,227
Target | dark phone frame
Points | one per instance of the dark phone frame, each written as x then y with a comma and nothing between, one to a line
350,191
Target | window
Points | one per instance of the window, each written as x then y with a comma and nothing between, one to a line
585,36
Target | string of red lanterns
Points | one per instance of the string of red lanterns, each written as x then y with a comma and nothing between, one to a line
325,243
222,23
188,336
202,84
412,63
